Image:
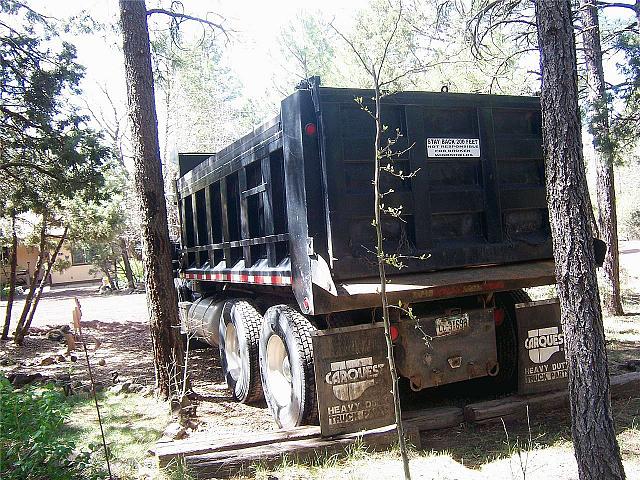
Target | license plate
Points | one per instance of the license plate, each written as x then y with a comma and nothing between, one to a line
452,325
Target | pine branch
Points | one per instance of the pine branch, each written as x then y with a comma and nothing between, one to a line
9,165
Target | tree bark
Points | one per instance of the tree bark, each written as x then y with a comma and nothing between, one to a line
593,433
106,269
161,295
603,145
20,334
12,277
128,273
43,282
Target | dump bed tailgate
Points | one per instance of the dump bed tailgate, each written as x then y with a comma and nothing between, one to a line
477,195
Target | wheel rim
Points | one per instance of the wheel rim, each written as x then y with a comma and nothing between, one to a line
278,371
232,351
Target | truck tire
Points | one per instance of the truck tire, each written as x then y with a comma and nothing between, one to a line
507,340
286,367
239,335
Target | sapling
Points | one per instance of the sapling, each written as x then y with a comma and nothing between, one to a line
384,155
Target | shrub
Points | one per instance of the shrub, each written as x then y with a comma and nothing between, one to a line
31,442
633,225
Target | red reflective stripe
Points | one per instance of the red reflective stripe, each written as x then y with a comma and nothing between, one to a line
239,278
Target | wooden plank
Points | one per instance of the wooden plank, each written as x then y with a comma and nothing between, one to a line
167,451
626,385
433,418
414,421
228,463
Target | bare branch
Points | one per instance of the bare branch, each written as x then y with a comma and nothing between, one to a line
389,40
365,65
183,16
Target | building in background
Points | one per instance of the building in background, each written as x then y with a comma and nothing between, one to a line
79,270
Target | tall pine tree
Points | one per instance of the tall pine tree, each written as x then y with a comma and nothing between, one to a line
593,433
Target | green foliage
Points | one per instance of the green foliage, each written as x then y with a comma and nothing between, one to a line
96,226
48,151
198,93
494,45
633,224
307,48
136,268
626,124
31,445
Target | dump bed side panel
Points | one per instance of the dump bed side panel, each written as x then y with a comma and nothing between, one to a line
476,195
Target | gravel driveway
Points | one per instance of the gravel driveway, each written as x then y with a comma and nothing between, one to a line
57,303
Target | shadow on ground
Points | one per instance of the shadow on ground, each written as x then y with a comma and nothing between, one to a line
476,445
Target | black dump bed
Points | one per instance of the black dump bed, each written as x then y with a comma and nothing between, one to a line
293,200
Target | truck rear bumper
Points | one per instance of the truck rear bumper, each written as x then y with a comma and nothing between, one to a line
364,293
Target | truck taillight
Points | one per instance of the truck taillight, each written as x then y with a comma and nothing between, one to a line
498,316
394,331
310,129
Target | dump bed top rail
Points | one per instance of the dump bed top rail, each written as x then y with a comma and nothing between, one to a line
231,158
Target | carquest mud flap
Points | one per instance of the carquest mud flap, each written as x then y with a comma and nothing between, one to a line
542,366
353,381
437,350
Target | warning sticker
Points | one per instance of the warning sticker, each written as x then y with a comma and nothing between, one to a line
453,147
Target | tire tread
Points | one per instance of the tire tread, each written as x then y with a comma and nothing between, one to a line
302,331
253,323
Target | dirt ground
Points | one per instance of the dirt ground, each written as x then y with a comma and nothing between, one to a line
117,324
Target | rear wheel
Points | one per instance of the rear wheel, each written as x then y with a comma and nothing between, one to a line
507,339
239,335
286,367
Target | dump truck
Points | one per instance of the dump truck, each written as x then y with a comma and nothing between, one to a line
277,245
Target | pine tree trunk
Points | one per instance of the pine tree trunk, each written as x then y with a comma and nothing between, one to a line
599,127
128,273
12,277
20,332
161,295
593,433
43,282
